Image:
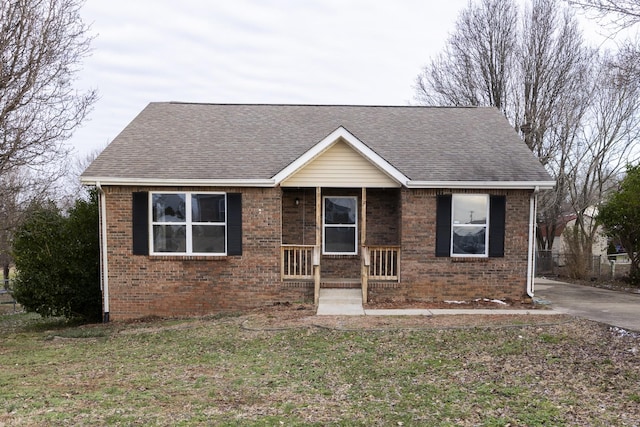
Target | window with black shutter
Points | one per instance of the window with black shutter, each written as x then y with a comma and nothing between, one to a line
187,223
470,225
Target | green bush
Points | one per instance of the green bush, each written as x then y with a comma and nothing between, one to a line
57,258
620,215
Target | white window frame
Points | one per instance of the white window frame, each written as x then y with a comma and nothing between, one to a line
325,226
188,223
486,226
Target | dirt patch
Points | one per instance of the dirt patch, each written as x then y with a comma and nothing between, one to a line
482,303
303,316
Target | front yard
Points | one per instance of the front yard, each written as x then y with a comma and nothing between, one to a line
282,366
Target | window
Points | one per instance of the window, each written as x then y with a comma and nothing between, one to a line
340,226
470,225
189,223
186,223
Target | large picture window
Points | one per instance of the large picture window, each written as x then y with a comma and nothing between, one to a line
340,225
189,223
470,213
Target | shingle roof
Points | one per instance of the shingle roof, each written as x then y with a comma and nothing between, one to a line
176,141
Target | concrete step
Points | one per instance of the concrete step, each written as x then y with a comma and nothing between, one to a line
340,302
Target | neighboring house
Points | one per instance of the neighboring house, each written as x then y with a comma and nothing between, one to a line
600,242
558,241
207,208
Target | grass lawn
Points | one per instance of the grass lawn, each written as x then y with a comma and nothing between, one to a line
285,367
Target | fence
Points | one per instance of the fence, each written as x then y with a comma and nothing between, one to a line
5,294
596,266
383,262
297,261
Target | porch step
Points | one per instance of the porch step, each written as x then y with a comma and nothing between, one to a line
340,302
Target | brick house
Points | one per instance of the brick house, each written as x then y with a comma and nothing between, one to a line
209,207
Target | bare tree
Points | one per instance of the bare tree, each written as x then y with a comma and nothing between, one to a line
476,65
555,69
616,16
534,69
554,63
620,13
42,43
606,142
72,187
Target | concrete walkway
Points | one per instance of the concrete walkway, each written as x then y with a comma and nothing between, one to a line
340,302
450,311
614,308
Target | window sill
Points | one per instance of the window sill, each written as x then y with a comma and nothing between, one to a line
470,259
336,256
188,257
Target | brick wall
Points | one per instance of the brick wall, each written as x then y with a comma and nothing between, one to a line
299,219
142,286
183,286
426,277
383,216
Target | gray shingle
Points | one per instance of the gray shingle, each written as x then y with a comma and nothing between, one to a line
229,141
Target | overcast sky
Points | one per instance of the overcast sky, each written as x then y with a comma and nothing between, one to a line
254,51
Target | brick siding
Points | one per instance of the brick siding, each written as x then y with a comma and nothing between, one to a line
425,277
142,286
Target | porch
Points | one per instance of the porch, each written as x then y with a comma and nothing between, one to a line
340,237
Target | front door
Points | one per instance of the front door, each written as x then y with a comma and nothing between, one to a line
340,251
340,225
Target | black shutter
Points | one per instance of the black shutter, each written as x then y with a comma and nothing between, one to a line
443,226
497,210
234,224
140,219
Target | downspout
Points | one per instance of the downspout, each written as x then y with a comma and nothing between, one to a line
531,258
102,219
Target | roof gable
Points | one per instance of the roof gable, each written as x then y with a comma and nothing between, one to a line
340,160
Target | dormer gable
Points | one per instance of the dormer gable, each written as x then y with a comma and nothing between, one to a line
340,160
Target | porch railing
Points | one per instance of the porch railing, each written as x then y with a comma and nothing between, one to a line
384,262
297,261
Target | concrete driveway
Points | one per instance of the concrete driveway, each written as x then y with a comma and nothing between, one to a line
611,307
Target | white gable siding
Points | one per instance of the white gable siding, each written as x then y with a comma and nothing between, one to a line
340,166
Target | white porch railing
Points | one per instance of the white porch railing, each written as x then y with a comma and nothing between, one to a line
297,262
383,262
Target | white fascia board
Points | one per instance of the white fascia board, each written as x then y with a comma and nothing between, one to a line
507,185
89,180
354,143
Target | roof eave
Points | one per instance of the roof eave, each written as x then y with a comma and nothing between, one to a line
91,180
506,185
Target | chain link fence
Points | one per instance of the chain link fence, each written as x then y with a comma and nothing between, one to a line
597,266
6,296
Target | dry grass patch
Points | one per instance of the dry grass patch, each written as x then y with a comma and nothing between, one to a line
285,366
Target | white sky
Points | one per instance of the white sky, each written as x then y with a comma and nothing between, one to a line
254,51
